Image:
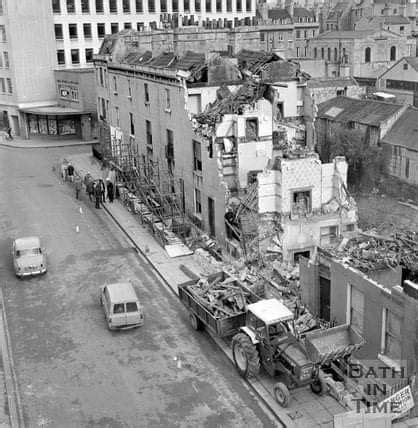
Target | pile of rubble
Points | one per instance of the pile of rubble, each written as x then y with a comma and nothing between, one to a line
221,297
371,251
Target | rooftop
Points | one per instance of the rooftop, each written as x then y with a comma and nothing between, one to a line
122,292
276,14
368,112
359,34
404,132
27,242
332,82
300,12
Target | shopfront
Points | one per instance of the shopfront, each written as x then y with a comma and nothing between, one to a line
58,121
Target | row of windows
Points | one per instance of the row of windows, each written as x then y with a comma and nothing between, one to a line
368,54
138,7
87,30
6,85
402,84
75,56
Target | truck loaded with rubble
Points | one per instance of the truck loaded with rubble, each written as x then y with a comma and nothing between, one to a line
264,334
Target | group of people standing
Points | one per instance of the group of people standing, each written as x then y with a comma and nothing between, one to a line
97,189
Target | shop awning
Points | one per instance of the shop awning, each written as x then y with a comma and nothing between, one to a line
53,111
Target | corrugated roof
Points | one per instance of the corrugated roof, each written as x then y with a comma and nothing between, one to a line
166,59
275,14
332,82
301,12
405,130
137,58
359,34
367,112
190,60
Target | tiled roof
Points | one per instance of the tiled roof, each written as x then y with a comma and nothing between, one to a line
276,14
367,112
301,11
360,34
137,58
396,19
405,130
337,82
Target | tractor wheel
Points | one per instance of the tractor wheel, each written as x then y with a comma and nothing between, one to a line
245,355
318,387
281,394
195,322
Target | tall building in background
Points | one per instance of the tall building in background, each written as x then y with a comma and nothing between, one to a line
38,37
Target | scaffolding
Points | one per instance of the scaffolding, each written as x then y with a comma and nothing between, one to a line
150,192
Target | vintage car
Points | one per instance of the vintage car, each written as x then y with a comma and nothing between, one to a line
28,257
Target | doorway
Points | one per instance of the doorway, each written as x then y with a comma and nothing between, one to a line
211,217
324,298
15,125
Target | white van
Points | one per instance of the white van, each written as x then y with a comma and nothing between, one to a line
121,306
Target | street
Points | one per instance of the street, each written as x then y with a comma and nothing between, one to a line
72,371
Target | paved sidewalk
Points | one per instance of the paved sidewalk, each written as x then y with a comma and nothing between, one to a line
42,144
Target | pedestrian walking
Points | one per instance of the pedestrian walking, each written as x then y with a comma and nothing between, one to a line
97,194
70,172
9,133
102,191
110,190
78,186
64,166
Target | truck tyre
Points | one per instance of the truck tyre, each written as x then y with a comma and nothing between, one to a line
318,387
245,355
195,322
282,394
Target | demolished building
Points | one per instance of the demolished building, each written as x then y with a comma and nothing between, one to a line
223,130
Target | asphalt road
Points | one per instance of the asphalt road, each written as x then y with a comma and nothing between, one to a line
72,371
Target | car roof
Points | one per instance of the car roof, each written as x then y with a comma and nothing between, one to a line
121,292
270,311
27,242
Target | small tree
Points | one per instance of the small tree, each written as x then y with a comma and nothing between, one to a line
365,163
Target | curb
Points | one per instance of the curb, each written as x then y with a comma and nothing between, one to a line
221,345
47,146
12,391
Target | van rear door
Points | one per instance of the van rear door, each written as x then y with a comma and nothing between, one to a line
133,313
118,315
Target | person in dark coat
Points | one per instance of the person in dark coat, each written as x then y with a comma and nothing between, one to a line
9,133
78,186
88,182
97,194
102,191
110,190
70,172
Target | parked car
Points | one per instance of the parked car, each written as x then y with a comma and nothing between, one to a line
121,306
28,257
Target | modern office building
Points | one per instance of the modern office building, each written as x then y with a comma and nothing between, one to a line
40,36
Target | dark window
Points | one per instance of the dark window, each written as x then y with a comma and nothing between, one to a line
218,5
229,5
87,31
393,53
335,54
301,203
58,32
131,307
407,167
315,52
56,6
163,5
99,6
329,54
197,156
367,55
186,5
198,201
70,6
131,122
262,36
101,30
322,53
146,92
140,26
85,6
10,87
248,5
6,59
115,85
298,34
251,129
138,6
89,55
127,25
175,6
126,6
405,66
197,5
148,130
75,56
151,6
167,99
118,308
114,27
61,57
239,5
72,29
113,6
